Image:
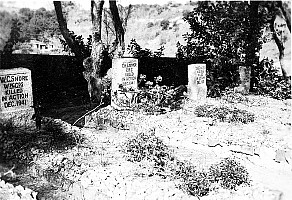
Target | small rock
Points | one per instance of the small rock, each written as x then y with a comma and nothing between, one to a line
267,194
280,156
213,142
246,149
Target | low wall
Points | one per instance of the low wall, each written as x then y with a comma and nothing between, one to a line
54,75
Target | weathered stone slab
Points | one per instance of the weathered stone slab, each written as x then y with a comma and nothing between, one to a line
244,74
124,82
197,87
16,98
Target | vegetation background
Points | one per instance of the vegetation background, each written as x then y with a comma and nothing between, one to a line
152,26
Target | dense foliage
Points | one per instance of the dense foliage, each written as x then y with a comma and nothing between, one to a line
137,52
219,37
5,27
79,41
270,83
39,24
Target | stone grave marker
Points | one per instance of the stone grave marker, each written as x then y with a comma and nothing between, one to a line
244,74
124,82
16,96
197,87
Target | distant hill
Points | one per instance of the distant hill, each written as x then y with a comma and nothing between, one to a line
147,25
144,25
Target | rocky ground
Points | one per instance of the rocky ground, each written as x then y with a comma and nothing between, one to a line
97,168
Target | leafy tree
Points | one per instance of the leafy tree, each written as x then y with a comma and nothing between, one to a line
39,24
5,28
219,36
228,34
14,36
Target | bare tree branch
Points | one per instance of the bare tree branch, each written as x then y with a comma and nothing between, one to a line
285,14
64,30
279,44
117,22
96,19
127,17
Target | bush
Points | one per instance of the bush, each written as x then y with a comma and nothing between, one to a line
229,173
218,30
137,52
198,183
224,114
149,147
268,82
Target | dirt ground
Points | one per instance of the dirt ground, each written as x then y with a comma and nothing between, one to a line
97,168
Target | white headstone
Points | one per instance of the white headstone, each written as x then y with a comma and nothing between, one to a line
16,95
124,82
197,87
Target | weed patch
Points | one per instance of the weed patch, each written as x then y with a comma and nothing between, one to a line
224,114
232,97
148,147
228,173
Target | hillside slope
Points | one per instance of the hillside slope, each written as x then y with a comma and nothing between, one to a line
144,25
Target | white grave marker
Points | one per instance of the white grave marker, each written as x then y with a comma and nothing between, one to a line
124,81
16,95
197,87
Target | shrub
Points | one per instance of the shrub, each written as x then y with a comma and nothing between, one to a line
137,52
229,173
224,114
268,82
217,29
148,147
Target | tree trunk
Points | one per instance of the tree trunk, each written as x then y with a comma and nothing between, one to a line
93,64
119,44
252,59
97,45
280,46
64,30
